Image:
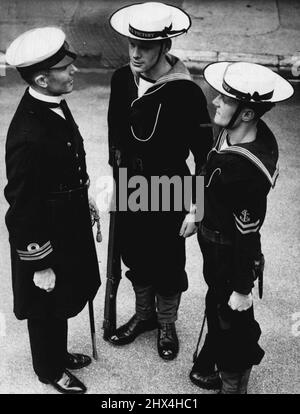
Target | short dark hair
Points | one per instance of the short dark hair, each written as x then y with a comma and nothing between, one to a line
28,75
259,108
168,43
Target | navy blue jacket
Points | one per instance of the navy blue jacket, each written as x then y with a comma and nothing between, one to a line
45,154
237,182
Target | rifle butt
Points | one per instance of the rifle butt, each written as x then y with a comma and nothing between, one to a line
94,345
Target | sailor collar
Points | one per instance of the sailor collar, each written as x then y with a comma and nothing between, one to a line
178,71
263,152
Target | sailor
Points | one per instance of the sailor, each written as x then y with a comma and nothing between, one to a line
241,169
157,115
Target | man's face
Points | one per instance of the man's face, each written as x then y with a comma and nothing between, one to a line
60,80
143,54
225,109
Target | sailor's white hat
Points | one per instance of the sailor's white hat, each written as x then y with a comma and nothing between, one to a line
248,82
150,21
40,48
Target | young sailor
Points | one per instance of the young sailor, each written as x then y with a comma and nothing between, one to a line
240,171
157,115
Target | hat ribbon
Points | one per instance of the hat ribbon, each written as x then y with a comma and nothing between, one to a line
152,35
247,96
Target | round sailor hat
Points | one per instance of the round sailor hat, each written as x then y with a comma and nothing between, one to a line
247,82
40,48
150,21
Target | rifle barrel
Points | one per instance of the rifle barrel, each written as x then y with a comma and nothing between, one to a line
93,331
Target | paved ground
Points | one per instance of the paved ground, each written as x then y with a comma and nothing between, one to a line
265,32
137,368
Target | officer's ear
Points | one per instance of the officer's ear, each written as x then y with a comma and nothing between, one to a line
41,80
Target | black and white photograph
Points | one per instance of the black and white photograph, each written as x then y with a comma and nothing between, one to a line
150,199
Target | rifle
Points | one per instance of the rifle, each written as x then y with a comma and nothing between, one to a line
258,273
113,270
195,355
95,218
93,331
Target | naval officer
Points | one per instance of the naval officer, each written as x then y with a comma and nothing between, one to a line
53,256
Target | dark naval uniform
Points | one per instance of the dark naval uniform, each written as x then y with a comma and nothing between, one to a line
154,134
237,180
49,222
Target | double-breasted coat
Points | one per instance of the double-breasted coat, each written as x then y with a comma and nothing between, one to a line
49,226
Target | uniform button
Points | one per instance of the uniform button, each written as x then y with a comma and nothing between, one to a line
79,168
80,181
77,156
69,144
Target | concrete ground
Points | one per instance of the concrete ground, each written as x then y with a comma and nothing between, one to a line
137,368
266,32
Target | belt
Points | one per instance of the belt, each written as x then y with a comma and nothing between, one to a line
139,165
214,236
71,194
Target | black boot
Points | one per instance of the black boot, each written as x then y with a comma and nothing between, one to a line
134,327
167,341
207,382
235,382
145,318
203,373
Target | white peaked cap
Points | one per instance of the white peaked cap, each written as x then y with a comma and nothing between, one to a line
38,45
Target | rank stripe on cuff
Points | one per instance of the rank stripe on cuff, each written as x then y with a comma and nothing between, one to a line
36,254
40,256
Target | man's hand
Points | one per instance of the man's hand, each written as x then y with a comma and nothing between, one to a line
93,207
118,157
95,217
45,279
189,227
240,302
